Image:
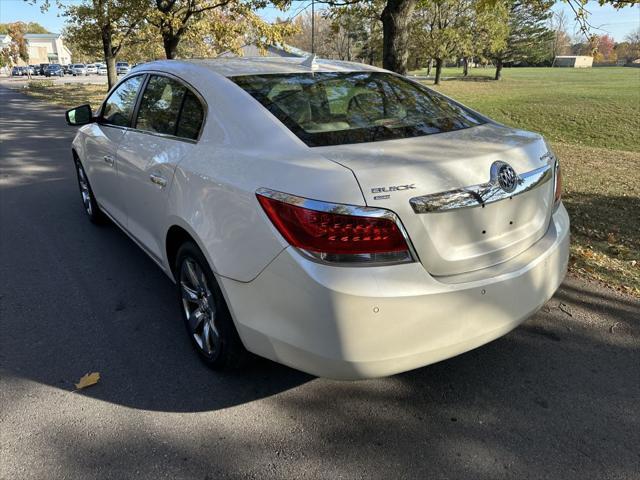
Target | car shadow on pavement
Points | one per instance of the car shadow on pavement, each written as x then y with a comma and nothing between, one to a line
555,397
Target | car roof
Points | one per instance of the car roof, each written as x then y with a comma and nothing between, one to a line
236,66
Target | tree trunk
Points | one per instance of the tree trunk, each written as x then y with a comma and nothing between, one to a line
112,73
109,57
170,43
465,66
498,70
395,34
438,71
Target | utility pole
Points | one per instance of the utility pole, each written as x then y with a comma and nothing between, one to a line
313,27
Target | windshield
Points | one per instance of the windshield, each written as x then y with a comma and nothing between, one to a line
331,108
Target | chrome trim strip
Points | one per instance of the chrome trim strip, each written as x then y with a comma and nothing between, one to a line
481,194
343,209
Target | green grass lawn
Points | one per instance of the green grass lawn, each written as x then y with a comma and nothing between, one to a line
596,107
592,118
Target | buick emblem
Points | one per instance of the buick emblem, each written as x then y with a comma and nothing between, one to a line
505,175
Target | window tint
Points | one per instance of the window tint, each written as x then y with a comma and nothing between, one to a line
328,108
190,118
119,106
168,107
160,105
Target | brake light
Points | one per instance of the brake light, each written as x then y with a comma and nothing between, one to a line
557,196
336,232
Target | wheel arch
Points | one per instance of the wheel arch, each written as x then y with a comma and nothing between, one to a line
177,234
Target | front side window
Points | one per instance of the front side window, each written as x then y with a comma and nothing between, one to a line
119,106
168,107
334,108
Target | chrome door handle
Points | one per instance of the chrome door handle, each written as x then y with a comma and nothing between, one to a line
158,180
108,160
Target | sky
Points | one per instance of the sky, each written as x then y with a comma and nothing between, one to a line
617,23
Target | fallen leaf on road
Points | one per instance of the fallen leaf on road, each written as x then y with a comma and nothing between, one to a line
87,380
563,308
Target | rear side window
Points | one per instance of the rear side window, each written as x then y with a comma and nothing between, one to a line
160,105
119,106
191,117
170,108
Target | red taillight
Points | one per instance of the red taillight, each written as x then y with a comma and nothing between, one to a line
557,196
334,236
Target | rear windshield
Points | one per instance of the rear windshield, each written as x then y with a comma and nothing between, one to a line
78,65
335,108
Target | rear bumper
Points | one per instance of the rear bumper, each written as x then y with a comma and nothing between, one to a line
351,323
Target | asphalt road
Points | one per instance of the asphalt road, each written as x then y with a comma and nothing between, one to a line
557,398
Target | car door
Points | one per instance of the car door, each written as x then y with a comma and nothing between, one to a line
166,129
101,145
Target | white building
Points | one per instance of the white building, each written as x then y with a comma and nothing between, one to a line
573,61
47,48
5,41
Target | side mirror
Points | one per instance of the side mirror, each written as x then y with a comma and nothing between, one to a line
80,115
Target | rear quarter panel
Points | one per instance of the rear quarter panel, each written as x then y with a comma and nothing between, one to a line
242,148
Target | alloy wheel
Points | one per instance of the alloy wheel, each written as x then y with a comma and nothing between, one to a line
85,191
199,307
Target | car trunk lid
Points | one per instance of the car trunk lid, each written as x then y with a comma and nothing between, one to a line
484,225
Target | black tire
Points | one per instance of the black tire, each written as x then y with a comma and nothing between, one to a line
89,203
224,350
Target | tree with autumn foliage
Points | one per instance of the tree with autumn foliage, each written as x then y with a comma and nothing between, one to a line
440,29
528,35
629,49
605,49
176,19
396,17
106,25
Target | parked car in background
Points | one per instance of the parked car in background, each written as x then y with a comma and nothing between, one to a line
34,69
54,70
17,71
42,69
122,68
102,69
79,69
92,69
331,216
68,70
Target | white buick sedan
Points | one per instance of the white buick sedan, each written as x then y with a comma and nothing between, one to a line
331,216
